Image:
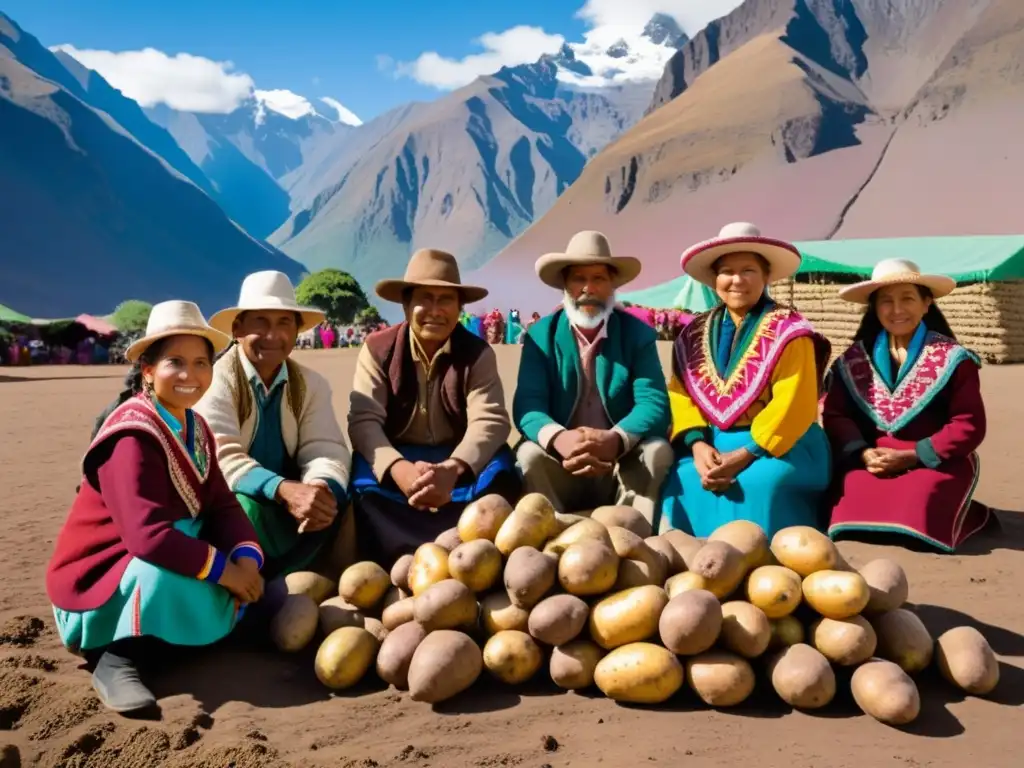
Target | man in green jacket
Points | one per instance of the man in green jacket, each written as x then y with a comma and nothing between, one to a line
591,402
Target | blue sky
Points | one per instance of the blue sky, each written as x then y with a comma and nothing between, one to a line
364,54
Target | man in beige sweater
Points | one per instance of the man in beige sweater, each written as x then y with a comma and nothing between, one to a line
427,416
278,440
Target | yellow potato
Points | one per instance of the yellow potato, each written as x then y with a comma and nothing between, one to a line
345,656
530,525
965,659
904,639
691,622
645,565
721,566
398,613
846,642
885,692
802,677
444,664
748,538
482,518
720,678
336,613
309,583
295,623
445,605
429,566
684,582
887,584
583,530
745,629
623,517
639,673
785,632
572,665
588,568
477,564
392,596
627,617
512,656
497,613
364,584
804,550
774,589
836,594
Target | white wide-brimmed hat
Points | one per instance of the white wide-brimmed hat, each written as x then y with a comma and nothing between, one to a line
740,237
176,318
267,291
587,248
896,272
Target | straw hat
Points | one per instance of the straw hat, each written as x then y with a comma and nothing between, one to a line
896,272
587,248
430,268
176,318
268,291
740,237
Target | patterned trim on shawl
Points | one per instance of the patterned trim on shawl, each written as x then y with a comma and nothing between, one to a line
723,402
138,414
892,410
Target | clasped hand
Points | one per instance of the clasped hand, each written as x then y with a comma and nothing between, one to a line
242,580
426,485
312,504
886,462
588,452
717,470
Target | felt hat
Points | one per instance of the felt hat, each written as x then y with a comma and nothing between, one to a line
267,291
586,249
740,237
896,272
429,268
176,318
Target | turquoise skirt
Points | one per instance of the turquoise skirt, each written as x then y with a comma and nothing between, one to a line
154,602
773,492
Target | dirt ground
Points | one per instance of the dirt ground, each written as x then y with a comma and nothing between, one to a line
246,707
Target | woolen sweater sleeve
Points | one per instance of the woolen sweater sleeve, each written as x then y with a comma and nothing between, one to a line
840,421
488,424
793,407
137,491
650,416
689,425
531,405
367,412
966,427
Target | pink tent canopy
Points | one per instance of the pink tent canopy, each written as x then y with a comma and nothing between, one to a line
96,325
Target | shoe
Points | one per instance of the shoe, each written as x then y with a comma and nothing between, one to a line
117,682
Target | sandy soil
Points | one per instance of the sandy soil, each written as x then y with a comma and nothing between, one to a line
247,707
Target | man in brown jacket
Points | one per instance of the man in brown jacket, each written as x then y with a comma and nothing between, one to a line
427,416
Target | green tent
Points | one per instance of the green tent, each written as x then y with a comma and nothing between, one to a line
682,292
8,315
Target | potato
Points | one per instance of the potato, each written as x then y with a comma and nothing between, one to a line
623,517
429,566
836,594
903,639
398,613
400,572
802,677
335,613
512,656
376,628
572,665
684,582
585,529
396,653
392,596
309,583
497,613
530,525
804,550
364,584
749,539
563,520
785,632
444,664
686,545
344,657
965,659
720,678
887,584
477,564
588,568
885,692
745,629
627,617
445,605
721,566
448,539
774,589
295,623
629,546
691,622
846,642
639,673
529,574
673,559
558,619
635,573
482,518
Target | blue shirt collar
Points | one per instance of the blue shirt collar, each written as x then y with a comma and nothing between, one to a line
254,378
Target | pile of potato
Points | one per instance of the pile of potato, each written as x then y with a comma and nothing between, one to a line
596,599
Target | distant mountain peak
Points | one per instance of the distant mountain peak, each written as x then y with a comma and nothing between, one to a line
284,102
662,29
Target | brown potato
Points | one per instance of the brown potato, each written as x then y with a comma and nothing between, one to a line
774,589
904,639
335,613
529,574
309,583
836,594
295,623
572,665
720,678
684,582
691,622
588,568
445,605
585,529
558,619
785,632
965,659
444,664
623,517
392,596
563,520
673,560
686,545
749,539
477,564
512,656
364,584
846,642
885,692
745,629
887,584
429,566
804,549
626,617
400,572
482,518
629,546
376,628
635,573
721,566
802,677
396,654
448,539
398,613
344,657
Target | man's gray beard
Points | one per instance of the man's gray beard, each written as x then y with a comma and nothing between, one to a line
581,319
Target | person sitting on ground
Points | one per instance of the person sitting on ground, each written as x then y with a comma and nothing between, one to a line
278,440
155,546
590,401
746,378
427,416
905,415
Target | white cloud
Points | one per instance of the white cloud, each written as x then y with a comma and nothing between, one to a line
518,45
692,15
345,115
183,81
286,103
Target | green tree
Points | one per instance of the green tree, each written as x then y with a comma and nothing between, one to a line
368,316
131,316
335,292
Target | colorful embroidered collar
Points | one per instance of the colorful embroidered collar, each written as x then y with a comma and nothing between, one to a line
882,356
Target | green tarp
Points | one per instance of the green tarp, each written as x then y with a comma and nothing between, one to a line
10,316
682,292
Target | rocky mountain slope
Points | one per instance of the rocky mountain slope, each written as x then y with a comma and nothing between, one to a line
812,118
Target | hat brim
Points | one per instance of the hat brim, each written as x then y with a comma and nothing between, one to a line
550,266
220,341
391,290
224,320
860,293
698,261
